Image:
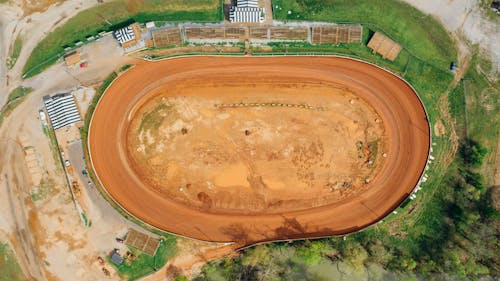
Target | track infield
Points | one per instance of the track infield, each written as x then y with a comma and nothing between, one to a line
384,109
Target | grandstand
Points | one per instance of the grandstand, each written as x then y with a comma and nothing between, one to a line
166,37
128,36
247,3
194,33
336,34
246,11
62,110
289,33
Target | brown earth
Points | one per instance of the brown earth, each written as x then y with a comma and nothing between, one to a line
352,95
289,146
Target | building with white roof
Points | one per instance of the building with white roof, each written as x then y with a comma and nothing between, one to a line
246,11
247,3
125,34
62,110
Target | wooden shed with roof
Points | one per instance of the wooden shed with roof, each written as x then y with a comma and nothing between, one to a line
385,46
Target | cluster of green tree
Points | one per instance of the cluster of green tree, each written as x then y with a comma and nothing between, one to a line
459,239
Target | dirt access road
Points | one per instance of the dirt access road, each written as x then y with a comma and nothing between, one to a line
401,111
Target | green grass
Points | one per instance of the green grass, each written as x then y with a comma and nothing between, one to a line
125,67
54,146
18,93
419,33
86,221
110,16
483,111
145,264
9,267
13,100
14,52
41,192
154,118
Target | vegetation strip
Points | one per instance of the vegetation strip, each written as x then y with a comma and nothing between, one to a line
111,16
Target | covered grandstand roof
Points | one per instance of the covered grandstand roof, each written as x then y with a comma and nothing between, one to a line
247,3
246,14
124,34
62,110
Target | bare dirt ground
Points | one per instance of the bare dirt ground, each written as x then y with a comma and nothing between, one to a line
32,20
399,108
46,233
258,146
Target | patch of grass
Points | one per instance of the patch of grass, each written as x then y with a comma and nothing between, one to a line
125,67
18,92
154,118
110,16
419,33
14,52
86,221
483,112
14,99
145,264
9,267
54,146
41,192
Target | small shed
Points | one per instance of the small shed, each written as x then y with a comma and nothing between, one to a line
385,46
72,58
116,258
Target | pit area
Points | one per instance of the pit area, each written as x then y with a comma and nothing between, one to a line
249,149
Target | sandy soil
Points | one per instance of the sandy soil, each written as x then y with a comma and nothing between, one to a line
47,235
259,145
32,25
394,101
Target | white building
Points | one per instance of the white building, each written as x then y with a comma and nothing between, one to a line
62,110
247,3
125,34
246,11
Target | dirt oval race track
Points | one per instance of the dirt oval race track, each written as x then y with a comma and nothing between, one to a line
402,113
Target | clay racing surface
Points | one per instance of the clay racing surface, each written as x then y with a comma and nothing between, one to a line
258,149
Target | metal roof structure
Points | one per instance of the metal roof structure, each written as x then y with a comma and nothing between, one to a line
247,3
246,14
62,110
116,258
124,34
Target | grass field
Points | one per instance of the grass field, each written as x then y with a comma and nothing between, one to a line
9,268
14,99
112,15
14,52
419,33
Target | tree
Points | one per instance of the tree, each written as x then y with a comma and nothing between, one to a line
312,252
472,152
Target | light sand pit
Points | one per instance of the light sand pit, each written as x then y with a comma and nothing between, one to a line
259,149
